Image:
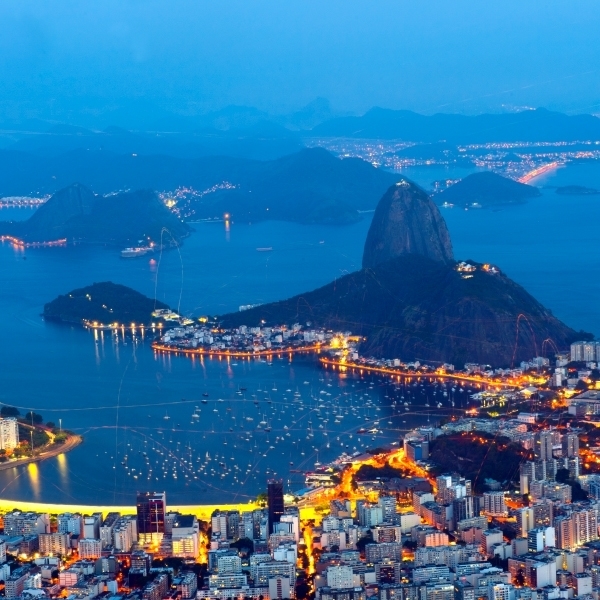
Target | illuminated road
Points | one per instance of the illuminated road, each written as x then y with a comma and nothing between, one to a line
539,171
396,373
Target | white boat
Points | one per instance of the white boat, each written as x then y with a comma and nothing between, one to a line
134,252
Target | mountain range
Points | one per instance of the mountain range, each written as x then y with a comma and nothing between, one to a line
308,186
538,125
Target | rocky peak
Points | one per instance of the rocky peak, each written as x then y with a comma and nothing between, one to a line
406,221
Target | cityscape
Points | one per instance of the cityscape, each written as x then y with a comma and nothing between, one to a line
299,300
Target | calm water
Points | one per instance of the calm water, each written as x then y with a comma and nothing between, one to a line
118,394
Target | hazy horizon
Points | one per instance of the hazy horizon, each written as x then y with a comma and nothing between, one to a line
80,63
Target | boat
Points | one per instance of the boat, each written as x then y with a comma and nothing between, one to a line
265,249
135,252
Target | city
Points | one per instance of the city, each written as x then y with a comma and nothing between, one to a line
382,524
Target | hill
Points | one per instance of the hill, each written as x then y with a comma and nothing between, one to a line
412,301
412,307
494,458
78,215
487,189
531,125
104,303
308,186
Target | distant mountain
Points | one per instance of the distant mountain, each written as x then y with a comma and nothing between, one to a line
533,125
76,214
105,303
412,301
308,186
256,139
487,189
406,221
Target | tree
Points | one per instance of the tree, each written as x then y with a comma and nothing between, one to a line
50,425
9,411
34,417
302,590
366,539
244,544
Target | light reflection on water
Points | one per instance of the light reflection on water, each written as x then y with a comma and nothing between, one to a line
65,373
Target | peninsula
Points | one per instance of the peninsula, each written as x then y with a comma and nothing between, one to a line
412,300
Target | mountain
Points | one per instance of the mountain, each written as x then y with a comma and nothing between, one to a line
105,303
487,189
539,125
78,215
406,221
412,301
308,186
257,139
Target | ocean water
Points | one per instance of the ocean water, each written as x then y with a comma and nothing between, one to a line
117,393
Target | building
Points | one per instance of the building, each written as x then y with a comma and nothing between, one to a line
90,548
186,585
274,502
69,523
570,444
54,544
341,577
151,511
9,433
279,588
107,529
185,534
494,504
15,584
540,538
17,523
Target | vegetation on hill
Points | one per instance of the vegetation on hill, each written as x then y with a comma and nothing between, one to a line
412,307
76,214
478,456
104,303
369,473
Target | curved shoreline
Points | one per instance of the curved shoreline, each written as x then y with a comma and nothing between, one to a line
233,353
71,442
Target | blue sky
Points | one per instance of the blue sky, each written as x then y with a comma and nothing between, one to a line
68,56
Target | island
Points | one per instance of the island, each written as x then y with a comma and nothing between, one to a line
106,304
486,189
576,190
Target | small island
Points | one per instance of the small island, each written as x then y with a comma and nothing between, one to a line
105,304
576,190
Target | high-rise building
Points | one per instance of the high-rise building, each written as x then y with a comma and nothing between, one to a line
9,433
274,501
151,510
570,444
543,444
494,504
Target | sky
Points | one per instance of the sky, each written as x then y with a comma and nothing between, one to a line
68,58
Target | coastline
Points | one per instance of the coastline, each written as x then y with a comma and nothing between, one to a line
71,442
